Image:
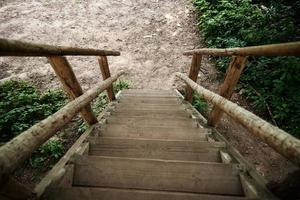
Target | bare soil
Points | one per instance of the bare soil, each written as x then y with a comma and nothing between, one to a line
151,36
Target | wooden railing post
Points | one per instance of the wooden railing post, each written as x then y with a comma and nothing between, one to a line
193,74
71,85
105,75
232,77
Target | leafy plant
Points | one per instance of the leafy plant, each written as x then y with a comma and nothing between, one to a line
238,23
48,153
121,85
22,105
200,104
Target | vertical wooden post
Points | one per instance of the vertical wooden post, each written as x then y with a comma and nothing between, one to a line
193,74
105,75
71,85
232,77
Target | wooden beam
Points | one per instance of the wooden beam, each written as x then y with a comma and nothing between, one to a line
21,147
284,143
71,85
232,77
19,48
283,49
193,74
105,75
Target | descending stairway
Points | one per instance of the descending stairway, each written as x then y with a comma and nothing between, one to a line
150,148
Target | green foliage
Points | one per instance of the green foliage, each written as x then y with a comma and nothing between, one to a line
237,23
48,153
22,105
121,85
200,104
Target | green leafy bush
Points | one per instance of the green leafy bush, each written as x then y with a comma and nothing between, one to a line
48,153
121,85
272,81
22,105
200,104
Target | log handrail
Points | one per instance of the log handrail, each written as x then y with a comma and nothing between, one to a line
21,147
20,48
281,141
283,49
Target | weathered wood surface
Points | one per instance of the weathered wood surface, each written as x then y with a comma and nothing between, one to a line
93,193
148,121
21,147
283,49
157,175
193,74
154,132
103,63
232,77
156,149
284,143
20,48
71,85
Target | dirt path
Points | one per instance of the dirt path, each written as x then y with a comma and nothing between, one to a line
150,34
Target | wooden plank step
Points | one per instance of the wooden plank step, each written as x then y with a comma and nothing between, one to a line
146,121
152,132
160,101
147,91
184,176
92,193
149,95
173,102
151,106
182,116
147,111
156,149
128,107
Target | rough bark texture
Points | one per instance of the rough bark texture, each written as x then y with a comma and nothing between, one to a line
232,77
279,140
19,48
71,85
105,75
20,148
193,74
284,49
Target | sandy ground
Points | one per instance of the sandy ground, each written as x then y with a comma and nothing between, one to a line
151,36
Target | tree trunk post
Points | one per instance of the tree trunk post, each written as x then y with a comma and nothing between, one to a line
193,74
232,77
105,75
71,85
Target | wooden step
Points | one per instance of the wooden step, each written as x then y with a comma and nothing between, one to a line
135,111
156,149
149,95
92,193
183,176
141,114
143,100
146,121
152,132
137,106
147,91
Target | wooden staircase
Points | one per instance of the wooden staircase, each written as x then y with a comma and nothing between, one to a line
150,148
149,144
